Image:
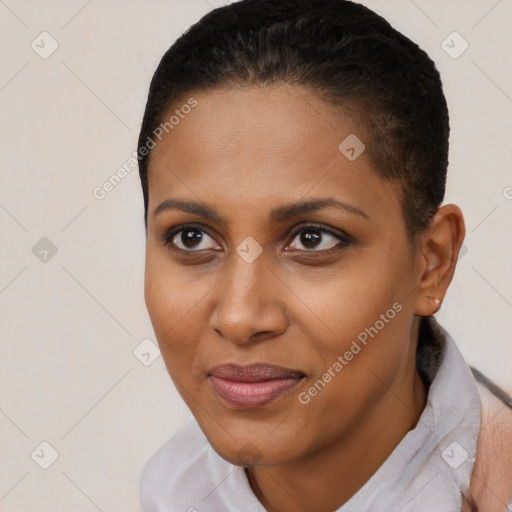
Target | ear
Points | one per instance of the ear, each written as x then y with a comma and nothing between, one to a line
439,251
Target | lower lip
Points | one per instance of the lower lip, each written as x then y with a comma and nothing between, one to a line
252,395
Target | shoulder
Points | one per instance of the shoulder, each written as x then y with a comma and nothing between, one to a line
182,475
170,467
491,481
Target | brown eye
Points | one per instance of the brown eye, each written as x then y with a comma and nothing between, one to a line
190,239
317,239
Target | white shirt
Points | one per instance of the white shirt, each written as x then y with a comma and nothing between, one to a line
426,472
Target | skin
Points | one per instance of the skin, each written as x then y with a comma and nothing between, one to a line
491,484
243,152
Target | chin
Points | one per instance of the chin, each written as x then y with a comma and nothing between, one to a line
250,454
246,446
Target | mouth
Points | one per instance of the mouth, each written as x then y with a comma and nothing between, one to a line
253,386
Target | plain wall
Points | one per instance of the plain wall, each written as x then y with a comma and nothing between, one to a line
70,323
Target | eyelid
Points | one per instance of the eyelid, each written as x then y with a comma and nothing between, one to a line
342,236
169,234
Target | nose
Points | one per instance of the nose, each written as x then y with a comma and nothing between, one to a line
247,308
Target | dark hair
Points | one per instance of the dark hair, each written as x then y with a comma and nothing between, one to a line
350,56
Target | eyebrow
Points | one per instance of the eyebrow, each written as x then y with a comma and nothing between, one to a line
278,214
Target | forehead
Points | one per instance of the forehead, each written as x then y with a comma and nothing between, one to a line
268,122
272,143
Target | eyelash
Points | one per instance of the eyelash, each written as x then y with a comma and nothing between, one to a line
344,239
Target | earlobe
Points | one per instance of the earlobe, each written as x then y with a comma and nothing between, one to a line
440,248
427,305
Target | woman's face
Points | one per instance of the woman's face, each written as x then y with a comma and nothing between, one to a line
267,247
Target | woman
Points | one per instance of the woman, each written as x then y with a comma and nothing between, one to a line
293,159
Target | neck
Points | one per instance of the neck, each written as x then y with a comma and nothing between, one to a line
327,479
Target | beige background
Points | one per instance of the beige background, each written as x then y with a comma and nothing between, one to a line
69,325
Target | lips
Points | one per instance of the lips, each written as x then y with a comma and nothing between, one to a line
253,386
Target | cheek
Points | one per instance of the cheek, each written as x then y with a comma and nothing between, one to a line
372,355
342,302
173,304
362,314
